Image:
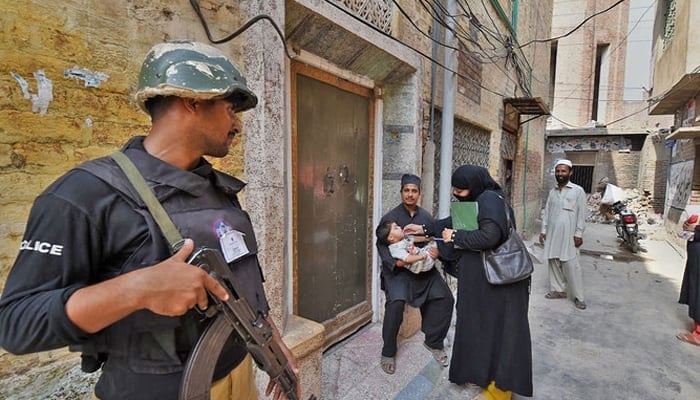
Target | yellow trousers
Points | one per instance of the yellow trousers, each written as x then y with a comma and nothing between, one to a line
494,393
238,385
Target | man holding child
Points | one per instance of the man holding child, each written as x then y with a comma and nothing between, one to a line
424,290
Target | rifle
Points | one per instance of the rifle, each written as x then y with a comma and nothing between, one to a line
233,314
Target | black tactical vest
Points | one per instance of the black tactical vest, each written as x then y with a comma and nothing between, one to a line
203,208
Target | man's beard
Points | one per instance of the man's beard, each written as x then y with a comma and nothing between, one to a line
562,180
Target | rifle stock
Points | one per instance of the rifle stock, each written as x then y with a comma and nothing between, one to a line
233,315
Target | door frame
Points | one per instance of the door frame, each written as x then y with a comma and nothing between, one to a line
352,319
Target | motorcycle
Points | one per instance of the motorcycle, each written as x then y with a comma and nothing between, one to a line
626,225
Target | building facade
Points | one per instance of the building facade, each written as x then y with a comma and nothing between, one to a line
601,78
676,60
350,100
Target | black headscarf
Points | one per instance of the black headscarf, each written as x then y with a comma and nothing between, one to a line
475,178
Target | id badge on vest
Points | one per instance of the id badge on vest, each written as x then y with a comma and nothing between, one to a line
233,245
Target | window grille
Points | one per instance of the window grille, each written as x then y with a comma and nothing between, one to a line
669,23
376,12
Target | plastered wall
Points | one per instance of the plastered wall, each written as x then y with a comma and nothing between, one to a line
67,76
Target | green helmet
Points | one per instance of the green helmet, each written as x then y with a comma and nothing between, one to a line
192,70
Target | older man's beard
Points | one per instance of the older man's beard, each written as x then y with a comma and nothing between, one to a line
562,179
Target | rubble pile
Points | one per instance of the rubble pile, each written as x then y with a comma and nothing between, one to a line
637,202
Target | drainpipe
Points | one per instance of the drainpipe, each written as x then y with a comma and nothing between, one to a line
448,112
527,140
428,192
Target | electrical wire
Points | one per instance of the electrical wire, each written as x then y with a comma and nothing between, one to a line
364,22
628,116
651,102
198,11
443,44
507,42
624,40
563,122
587,79
416,27
575,29
503,40
461,33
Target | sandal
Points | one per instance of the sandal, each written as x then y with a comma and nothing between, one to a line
555,295
579,304
689,337
388,364
470,385
439,355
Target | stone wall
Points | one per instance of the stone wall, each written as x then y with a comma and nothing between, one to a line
67,78
58,51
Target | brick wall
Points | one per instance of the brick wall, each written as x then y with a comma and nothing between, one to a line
621,168
653,170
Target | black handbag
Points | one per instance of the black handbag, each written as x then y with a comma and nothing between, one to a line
510,262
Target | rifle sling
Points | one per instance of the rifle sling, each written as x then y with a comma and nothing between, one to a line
167,227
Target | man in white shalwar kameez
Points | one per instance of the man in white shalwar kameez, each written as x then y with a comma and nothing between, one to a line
562,235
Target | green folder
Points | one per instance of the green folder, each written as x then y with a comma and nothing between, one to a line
465,215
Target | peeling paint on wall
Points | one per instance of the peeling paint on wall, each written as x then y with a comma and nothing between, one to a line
91,79
40,101
680,183
22,84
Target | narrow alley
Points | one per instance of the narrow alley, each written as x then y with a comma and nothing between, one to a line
623,346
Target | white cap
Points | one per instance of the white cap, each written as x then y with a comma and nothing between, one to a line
563,161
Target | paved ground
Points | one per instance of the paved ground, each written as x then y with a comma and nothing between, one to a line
622,347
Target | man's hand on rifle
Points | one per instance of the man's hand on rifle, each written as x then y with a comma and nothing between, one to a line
173,286
170,288
272,385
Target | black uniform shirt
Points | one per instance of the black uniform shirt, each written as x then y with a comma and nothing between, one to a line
81,231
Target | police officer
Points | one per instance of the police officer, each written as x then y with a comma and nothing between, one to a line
94,270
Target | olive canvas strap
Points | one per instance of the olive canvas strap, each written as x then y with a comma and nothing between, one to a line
167,227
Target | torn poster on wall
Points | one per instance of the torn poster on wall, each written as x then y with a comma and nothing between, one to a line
91,79
44,95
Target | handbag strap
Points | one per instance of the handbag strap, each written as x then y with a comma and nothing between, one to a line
167,227
510,227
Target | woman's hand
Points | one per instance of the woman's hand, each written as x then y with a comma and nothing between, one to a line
413,229
447,235
433,253
689,227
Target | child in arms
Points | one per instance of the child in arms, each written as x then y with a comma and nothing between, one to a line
401,246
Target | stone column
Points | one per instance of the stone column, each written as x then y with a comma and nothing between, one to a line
266,150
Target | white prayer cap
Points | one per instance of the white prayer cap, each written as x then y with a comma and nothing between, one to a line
564,161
